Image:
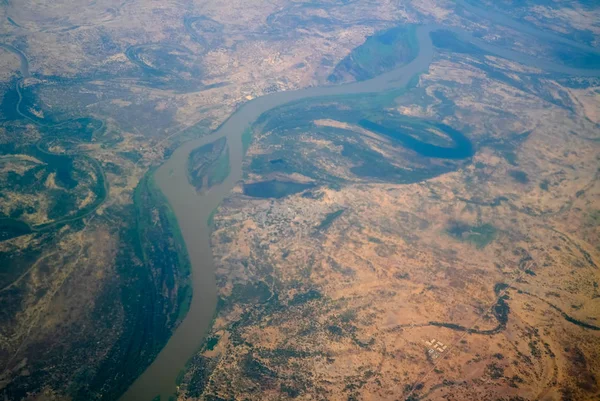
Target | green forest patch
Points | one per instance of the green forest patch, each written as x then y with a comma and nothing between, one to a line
479,235
384,51
209,165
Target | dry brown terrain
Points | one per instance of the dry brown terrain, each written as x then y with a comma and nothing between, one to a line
148,78
92,271
386,302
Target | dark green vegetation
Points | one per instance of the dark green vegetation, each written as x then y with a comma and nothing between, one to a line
209,165
416,149
202,369
205,31
304,297
274,188
154,293
381,52
131,318
50,189
577,58
75,131
329,219
408,139
220,170
14,265
593,218
448,40
519,176
249,293
10,228
479,235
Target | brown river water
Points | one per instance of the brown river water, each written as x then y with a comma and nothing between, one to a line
193,209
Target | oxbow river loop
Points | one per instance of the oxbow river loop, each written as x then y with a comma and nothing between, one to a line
192,209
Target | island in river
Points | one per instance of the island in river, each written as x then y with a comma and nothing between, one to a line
366,269
319,145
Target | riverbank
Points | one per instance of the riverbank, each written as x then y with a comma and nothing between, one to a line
193,210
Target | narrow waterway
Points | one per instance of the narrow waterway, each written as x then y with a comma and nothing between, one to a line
24,64
491,15
192,209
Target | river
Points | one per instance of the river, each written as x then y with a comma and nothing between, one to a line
192,209
24,64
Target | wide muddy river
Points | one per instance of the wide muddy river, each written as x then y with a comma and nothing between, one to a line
192,209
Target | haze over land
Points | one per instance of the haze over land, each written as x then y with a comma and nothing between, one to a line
408,200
